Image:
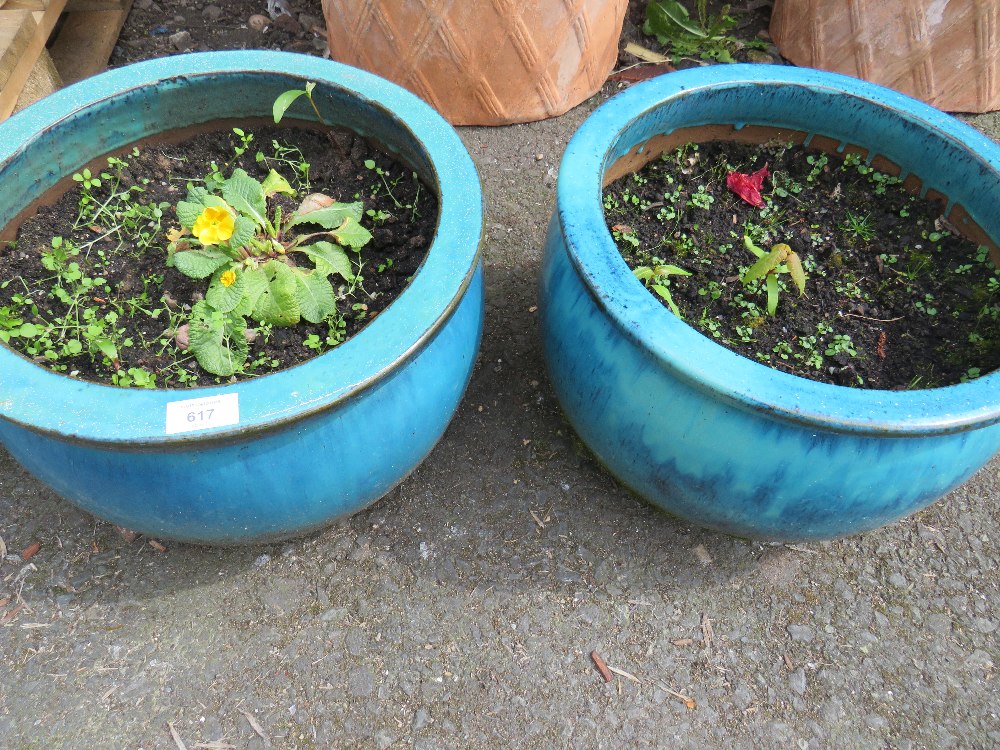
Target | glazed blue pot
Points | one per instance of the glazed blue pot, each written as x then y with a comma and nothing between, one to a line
281,454
700,431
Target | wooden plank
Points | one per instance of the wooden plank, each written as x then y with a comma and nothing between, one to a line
40,5
18,36
17,30
25,37
86,6
86,41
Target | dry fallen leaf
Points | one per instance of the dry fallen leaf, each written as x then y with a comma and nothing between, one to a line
313,202
127,534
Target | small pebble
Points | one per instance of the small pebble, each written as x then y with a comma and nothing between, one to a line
257,22
288,24
181,40
797,681
802,633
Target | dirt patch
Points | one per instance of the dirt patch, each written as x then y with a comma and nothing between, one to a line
893,297
117,313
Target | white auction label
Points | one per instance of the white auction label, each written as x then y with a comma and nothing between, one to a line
203,413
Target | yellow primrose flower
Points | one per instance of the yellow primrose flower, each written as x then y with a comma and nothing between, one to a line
228,278
214,225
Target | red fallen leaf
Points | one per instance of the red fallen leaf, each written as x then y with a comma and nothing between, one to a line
748,186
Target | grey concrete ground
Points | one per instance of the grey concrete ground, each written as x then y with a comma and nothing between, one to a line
461,610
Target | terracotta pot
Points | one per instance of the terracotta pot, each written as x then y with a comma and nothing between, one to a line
945,52
483,62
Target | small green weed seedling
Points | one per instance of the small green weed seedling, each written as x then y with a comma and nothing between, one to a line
780,260
860,227
657,278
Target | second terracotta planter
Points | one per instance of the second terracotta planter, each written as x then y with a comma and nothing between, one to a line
946,53
483,62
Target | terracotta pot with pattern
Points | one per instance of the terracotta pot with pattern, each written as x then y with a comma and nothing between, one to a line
482,62
945,52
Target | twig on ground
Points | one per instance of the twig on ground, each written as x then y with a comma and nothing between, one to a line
626,675
177,738
255,726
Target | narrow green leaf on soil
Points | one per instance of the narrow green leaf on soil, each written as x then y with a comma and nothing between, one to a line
283,102
772,294
795,270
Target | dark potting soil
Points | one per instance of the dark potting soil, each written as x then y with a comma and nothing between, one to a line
894,297
401,214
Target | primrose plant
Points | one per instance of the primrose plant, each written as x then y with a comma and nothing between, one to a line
260,264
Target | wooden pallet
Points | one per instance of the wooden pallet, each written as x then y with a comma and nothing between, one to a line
34,61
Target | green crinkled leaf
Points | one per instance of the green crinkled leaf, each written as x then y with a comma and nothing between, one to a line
278,305
275,183
314,294
329,258
244,230
331,217
200,262
188,212
254,285
246,195
352,234
225,298
217,340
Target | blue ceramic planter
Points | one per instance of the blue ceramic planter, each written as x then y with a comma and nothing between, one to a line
309,444
708,435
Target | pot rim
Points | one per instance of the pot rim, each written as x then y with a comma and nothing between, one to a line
693,357
44,401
